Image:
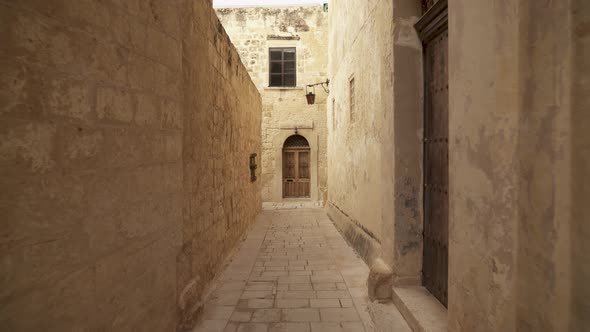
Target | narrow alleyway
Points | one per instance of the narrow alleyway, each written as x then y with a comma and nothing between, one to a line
293,272
235,165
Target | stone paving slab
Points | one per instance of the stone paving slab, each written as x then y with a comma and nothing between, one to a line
294,272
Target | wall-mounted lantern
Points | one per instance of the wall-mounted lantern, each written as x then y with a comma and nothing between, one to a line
310,91
253,167
310,97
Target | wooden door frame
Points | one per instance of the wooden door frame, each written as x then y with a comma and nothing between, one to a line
432,22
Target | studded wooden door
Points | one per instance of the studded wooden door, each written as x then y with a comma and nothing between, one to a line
434,32
296,170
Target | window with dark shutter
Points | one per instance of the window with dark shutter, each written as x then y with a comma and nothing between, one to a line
282,67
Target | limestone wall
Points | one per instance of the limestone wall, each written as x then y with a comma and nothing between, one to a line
515,163
360,48
483,184
125,134
254,31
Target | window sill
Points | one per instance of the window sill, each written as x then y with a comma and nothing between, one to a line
283,88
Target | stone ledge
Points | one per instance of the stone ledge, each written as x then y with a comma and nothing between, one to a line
364,244
281,88
277,37
422,311
300,124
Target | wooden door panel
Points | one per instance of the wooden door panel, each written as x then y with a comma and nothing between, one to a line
303,165
435,262
290,189
296,173
289,165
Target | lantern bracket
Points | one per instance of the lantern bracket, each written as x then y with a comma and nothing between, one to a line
310,95
325,85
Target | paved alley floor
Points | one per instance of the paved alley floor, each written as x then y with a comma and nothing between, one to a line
294,272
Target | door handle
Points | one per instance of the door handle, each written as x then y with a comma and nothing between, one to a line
290,180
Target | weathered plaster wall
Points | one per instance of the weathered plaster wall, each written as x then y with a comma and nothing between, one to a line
402,238
483,131
545,177
125,132
379,148
286,108
361,47
515,155
518,227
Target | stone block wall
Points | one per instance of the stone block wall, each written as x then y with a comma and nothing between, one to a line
125,134
254,31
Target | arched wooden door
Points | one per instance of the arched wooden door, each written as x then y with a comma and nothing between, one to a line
296,170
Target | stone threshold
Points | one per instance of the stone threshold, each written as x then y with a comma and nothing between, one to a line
422,311
292,204
386,317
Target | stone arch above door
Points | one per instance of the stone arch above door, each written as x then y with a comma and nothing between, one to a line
295,141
